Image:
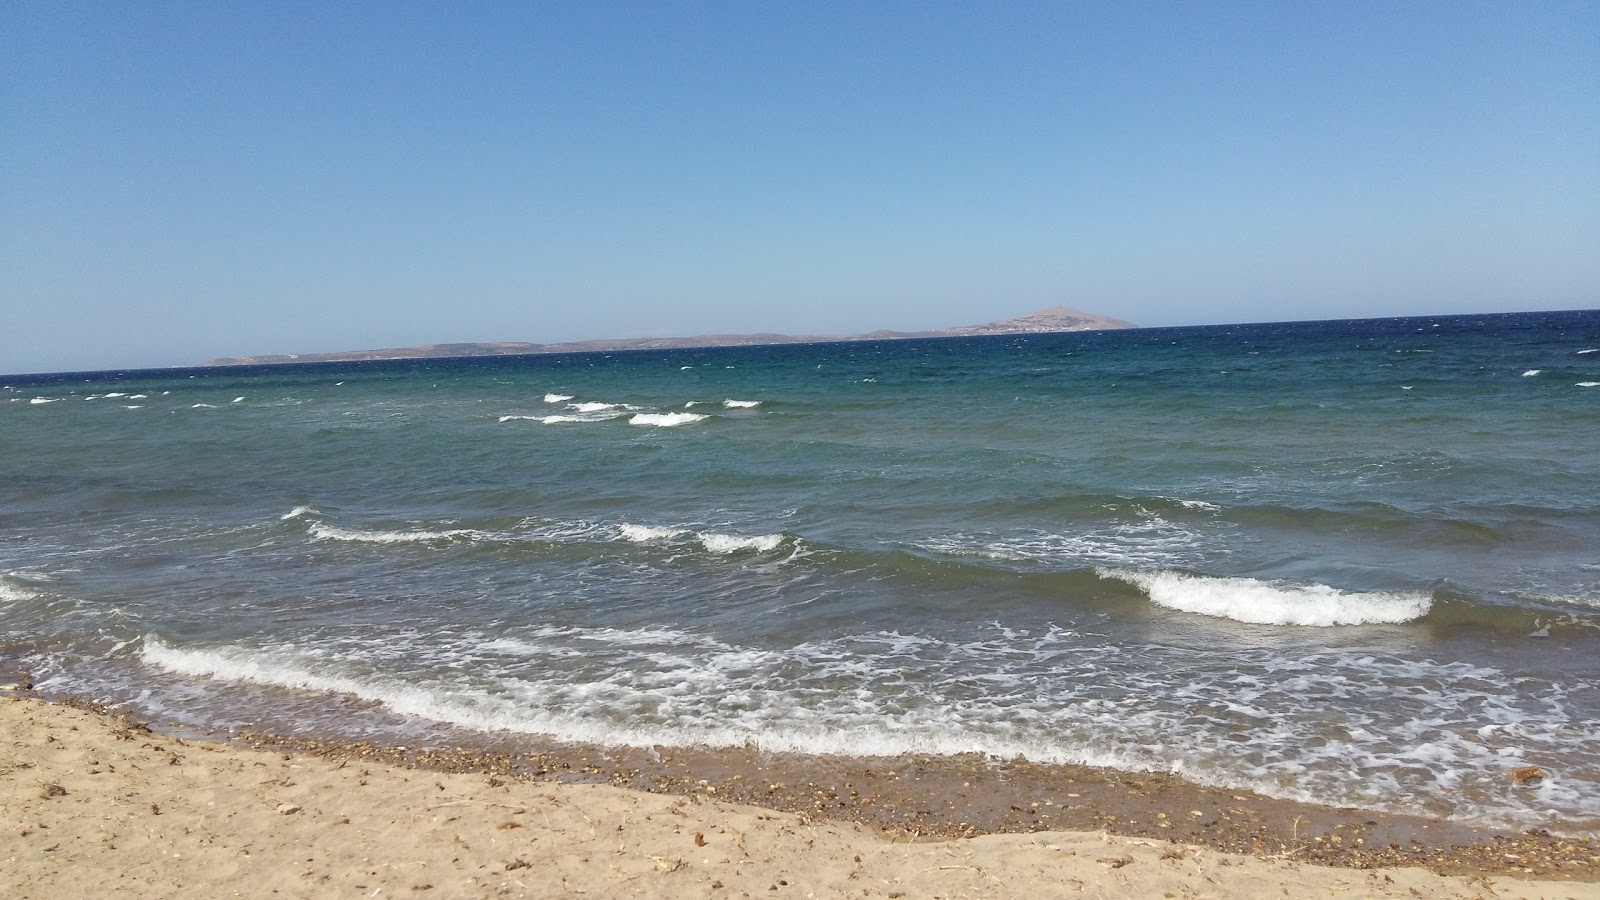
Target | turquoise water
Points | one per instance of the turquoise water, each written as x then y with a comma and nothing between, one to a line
1354,562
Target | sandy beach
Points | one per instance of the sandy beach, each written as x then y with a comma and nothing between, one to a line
95,805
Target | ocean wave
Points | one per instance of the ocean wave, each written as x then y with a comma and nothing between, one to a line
39,401
1587,384
14,593
733,543
641,534
1531,372
713,542
1260,602
561,418
593,406
741,404
325,532
557,398
1149,541
1585,602
533,532
666,420
1193,504
1342,727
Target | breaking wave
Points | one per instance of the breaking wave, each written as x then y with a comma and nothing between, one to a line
1259,602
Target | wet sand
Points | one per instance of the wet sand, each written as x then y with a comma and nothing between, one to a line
95,804
936,798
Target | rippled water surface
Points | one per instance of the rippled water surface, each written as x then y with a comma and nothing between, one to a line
1354,562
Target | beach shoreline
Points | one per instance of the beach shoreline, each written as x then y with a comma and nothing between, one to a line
129,793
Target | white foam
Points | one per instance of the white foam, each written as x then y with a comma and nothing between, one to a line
11,593
1150,541
202,406
297,512
643,534
1193,504
139,397
38,400
741,404
325,532
1531,372
594,407
557,398
665,420
732,543
1273,602
134,406
1595,350
1348,727
1587,384
1592,602
238,399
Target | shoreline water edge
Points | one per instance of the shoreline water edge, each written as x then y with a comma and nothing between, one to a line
98,802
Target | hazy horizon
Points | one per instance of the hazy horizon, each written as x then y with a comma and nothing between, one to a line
191,182
820,338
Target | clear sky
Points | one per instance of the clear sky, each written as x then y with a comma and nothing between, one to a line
186,180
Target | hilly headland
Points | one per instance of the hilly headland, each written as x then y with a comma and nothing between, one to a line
1054,319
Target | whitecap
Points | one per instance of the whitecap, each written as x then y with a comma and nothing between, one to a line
1587,384
238,399
1595,350
741,404
1193,504
202,406
733,543
38,400
1531,372
115,394
324,532
641,534
557,398
591,406
297,512
665,420
1273,602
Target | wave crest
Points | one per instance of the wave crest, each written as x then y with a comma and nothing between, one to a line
1260,602
665,420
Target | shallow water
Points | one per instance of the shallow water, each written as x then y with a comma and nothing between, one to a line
1352,562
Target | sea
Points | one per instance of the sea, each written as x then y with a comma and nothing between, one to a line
1349,562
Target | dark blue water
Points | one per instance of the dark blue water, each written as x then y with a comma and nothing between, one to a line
1354,562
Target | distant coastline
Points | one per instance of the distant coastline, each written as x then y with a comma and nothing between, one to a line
1044,321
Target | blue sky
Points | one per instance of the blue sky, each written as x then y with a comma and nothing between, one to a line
188,180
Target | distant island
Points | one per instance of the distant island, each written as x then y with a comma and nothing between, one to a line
1054,319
